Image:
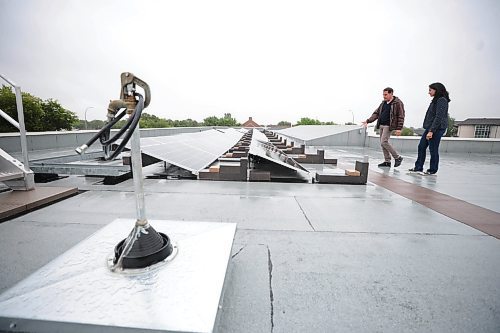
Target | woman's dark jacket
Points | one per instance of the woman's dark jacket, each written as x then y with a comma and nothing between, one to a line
437,115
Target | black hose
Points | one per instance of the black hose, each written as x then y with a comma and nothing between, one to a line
104,133
105,130
104,137
131,125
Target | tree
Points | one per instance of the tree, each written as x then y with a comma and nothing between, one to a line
308,121
91,125
227,120
56,118
152,121
186,123
452,130
285,123
211,121
39,115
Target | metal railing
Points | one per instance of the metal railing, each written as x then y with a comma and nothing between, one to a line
19,125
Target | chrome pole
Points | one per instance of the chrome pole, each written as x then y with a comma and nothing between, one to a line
135,154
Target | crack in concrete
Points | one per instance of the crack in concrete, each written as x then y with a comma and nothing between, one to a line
271,295
303,212
234,255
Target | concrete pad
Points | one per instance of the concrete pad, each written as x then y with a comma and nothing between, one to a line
99,206
368,215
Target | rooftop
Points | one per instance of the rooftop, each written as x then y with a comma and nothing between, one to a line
401,254
479,121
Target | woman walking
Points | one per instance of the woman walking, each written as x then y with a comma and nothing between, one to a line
435,125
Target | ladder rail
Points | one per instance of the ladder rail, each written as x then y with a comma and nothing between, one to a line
22,130
19,124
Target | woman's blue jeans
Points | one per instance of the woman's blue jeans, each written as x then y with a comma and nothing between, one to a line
433,145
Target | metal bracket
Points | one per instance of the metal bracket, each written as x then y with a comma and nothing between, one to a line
130,79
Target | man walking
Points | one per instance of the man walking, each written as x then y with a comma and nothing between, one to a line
391,116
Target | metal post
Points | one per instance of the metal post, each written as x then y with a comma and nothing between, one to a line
22,129
135,148
9,119
85,115
20,125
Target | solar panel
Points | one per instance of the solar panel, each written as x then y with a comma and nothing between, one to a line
309,132
261,147
191,151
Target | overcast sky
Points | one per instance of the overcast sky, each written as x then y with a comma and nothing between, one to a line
271,60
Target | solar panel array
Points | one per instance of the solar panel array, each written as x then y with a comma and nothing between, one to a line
261,147
191,151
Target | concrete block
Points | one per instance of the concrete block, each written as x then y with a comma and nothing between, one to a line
229,168
239,153
207,175
230,176
350,172
259,176
330,161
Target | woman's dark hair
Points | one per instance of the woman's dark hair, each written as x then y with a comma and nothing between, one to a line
440,91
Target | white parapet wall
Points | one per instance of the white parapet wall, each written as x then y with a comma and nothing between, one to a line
409,144
10,142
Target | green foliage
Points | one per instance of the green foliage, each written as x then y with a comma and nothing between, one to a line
39,115
119,124
309,121
211,121
452,130
285,123
56,118
186,123
147,121
151,121
227,120
406,131
91,125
